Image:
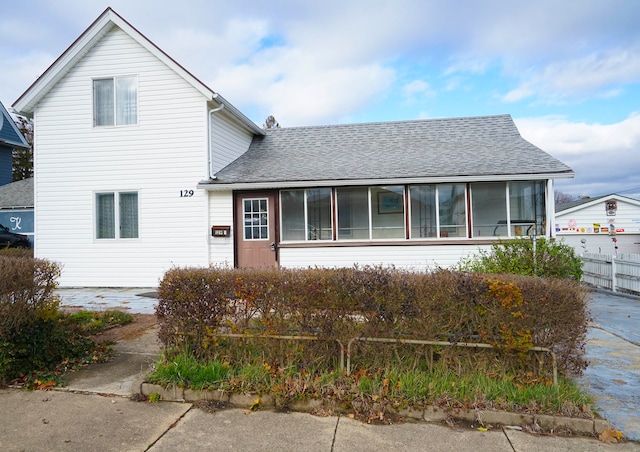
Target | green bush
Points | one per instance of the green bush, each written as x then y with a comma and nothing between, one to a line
550,259
34,336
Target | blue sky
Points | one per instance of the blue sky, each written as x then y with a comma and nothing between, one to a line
568,71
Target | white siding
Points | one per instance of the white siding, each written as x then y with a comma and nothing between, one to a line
574,226
221,214
602,243
404,257
228,142
160,156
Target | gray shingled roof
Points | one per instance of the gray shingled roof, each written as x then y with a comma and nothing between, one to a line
570,205
453,147
17,194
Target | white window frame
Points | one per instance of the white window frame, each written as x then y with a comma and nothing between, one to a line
266,214
308,233
116,214
115,122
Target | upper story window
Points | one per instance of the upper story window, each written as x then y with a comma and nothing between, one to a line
115,101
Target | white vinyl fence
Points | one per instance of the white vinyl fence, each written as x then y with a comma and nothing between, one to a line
619,273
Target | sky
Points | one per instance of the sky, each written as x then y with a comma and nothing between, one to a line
567,71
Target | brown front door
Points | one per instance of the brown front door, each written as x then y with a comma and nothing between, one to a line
256,232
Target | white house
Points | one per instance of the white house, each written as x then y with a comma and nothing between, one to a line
608,224
139,167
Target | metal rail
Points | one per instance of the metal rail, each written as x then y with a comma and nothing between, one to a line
554,360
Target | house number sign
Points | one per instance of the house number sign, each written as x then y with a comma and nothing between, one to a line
186,193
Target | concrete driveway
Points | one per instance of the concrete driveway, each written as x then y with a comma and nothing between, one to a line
613,349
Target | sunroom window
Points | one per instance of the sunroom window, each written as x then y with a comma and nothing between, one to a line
366,213
306,214
511,209
353,213
438,211
489,209
387,213
526,208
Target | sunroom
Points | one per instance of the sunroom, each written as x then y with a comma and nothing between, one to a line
413,212
411,193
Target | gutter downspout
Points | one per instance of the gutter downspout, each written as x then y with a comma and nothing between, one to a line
210,129
211,176
551,211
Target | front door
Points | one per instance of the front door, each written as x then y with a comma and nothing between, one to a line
256,232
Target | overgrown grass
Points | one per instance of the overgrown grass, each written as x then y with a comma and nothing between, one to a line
400,388
93,322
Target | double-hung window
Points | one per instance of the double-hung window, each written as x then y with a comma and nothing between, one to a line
115,101
117,215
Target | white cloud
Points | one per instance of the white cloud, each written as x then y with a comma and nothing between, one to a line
299,90
25,69
417,90
597,73
605,157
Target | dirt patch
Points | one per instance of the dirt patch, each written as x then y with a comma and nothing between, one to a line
212,406
133,330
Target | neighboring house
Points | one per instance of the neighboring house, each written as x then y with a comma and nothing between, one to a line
609,224
10,138
141,167
16,207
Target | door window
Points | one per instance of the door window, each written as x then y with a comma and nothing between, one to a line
256,219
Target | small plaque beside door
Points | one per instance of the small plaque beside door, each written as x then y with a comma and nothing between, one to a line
220,231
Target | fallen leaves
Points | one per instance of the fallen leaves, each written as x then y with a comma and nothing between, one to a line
611,436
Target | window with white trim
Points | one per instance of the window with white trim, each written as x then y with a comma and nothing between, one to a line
115,101
117,215
435,211
306,214
438,211
256,219
366,213
508,209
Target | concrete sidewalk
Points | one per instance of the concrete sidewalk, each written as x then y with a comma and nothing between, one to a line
141,300
65,421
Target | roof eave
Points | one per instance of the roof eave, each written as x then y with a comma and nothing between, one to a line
214,185
597,200
22,144
252,126
27,102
